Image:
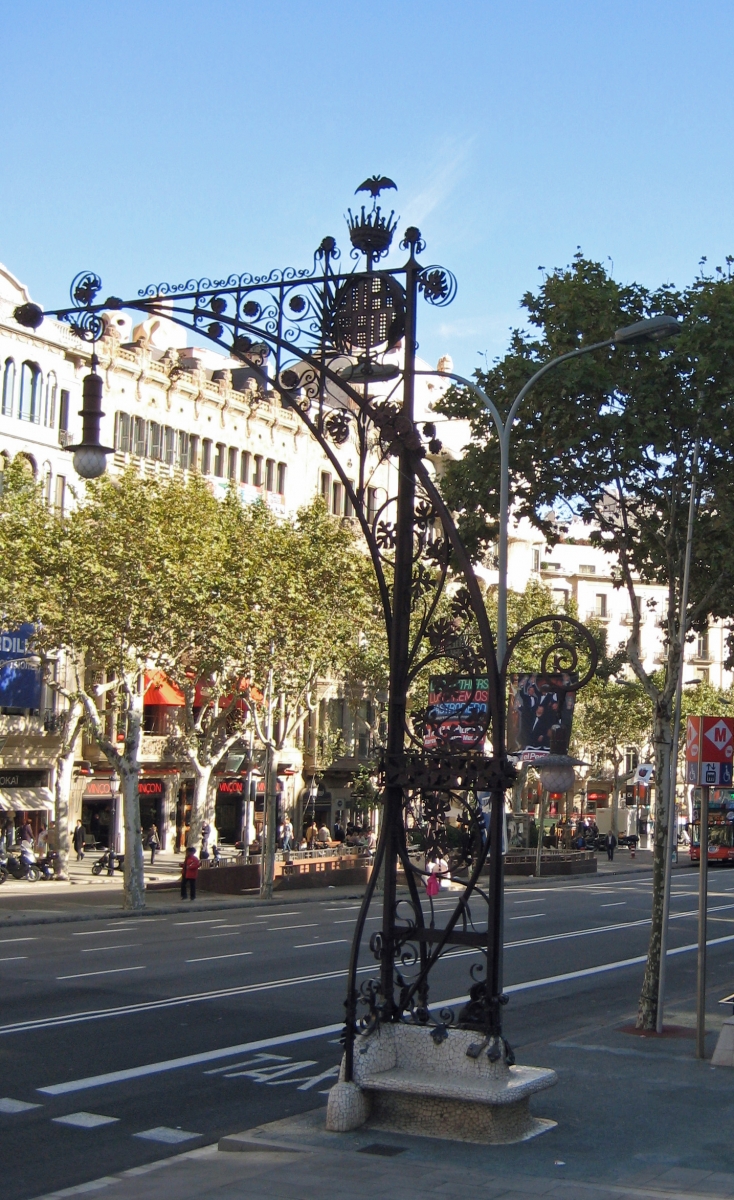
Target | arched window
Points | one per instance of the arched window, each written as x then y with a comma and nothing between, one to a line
29,462
8,387
49,409
31,382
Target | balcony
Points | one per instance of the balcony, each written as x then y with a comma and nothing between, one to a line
36,724
65,439
593,615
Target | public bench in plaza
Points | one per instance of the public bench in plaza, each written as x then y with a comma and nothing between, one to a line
437,1083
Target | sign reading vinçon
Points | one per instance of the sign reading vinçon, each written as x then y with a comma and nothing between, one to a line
709,751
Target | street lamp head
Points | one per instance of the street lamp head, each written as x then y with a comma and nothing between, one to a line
652,329
90,461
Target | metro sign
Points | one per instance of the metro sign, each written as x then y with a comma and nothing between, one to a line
710,751
718,739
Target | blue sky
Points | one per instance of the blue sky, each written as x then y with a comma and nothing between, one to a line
165,139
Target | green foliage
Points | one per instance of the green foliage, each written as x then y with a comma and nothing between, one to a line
609,717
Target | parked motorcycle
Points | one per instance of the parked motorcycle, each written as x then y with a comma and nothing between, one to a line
103,863
24,865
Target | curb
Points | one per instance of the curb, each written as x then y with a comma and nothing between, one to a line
10,922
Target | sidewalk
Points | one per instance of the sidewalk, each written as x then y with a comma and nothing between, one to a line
637,1116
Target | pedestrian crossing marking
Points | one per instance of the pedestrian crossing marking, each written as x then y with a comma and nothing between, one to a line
85,1120
162,1133
8,1105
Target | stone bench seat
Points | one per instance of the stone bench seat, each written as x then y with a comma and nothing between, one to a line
405,1080
509,1090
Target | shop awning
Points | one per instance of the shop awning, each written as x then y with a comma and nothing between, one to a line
26,799
159,690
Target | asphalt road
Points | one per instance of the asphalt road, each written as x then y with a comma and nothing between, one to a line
125,1040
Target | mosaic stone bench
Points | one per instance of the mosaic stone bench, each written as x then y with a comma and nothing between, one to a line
406,1081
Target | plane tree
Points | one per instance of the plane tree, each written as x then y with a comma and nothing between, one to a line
609,437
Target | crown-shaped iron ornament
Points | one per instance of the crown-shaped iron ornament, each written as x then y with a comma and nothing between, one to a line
371,232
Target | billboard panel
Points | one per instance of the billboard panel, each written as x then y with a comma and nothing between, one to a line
20,671
536,704
458,714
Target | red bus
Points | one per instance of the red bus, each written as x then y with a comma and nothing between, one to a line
720,826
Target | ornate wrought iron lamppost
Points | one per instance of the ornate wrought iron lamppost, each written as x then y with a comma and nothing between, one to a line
339,348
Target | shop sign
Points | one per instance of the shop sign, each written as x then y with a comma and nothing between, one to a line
230,787
457,713
24,779
150,787
99,788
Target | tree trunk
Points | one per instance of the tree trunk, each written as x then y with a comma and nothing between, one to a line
199,803
615,802
267,858
62,791
133,888
648,1003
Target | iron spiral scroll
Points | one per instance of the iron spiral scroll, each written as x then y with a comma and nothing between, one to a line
338,349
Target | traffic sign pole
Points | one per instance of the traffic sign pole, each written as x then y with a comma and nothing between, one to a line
703,880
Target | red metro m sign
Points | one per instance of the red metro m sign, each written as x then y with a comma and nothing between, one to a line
709,751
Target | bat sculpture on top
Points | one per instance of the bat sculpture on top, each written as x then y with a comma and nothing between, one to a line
376,184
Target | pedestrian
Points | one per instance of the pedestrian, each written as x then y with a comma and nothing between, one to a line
154,843
190,870
287,834
611,844
26,831
79,838
311,835
42,840
323,836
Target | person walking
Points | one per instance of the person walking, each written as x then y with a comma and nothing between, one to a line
79,838
190,870
611,845
154,843
287,834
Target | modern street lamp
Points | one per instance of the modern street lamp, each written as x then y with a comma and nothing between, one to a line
319,338
651,329
114,797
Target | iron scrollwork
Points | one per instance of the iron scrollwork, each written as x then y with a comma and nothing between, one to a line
328,342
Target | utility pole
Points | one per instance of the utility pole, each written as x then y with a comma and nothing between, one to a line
267,857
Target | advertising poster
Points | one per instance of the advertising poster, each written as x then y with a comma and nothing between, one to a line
458,714
536,704
20,671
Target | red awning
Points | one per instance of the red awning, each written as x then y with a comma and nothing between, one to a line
159,690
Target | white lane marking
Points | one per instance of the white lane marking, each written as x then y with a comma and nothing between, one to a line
276,928
533,901
162,1133
99,949
615,904
77,1085
190,1060
267,1074
314,945
248,1062
200,937
527,917
3,941
85,1120
351,920
8,1105
110,971
246,989
15,958
213,957
97,932
207,921
272,916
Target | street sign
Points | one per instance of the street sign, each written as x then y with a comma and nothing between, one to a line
718,739
709,751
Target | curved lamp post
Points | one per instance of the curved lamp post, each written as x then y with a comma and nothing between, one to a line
319,338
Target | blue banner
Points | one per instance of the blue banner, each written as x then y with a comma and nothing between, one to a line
20,673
